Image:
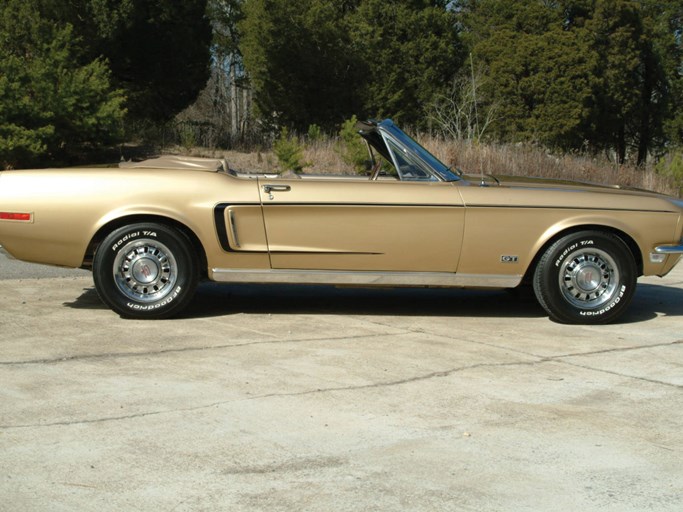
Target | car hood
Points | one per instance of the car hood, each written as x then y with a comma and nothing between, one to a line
522,192
521,182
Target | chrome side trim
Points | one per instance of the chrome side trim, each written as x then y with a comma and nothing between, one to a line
670,249
365,278
233,228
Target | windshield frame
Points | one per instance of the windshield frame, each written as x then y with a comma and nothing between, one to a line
375,133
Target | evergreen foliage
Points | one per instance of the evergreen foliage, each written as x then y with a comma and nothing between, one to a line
289,151
50,104
351,147
409,50
158,50
321,61
574,75
672,167
314,134
579,74
300,61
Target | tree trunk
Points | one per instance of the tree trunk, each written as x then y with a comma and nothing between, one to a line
621,144
234,102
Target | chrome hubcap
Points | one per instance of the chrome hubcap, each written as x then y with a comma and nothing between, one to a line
589,278
145,270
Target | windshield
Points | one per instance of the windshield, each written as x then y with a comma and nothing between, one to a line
411,146
408,166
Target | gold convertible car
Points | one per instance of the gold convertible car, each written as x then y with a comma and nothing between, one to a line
149,231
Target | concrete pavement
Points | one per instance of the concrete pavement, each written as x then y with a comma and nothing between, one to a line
304,398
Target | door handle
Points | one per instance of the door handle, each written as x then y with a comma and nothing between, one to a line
269,189
276,188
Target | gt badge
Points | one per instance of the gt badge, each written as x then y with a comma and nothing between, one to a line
509,259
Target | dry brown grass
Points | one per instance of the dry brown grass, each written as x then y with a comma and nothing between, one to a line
525,160
497,159
321,158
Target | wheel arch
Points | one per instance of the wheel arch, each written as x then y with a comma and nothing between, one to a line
119,222
625,237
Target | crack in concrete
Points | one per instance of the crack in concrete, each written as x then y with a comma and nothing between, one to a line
123,355
526,353
623,375
624,349
375,385
560,358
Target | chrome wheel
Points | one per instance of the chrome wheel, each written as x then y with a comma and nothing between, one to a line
589,278
145,270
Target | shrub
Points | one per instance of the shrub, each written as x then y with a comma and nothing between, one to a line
187,135
671,166
289,151
352,148
315,133
51,105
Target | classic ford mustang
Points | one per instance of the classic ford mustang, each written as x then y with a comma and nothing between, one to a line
149,231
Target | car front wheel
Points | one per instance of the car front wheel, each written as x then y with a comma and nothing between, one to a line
145,271
587,277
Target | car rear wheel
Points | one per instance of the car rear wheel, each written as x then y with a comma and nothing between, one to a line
586,278
145,271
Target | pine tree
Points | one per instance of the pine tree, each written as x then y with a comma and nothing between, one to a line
301,63
540,70
570,73
664,109
158,50
321,61
411,52
50,104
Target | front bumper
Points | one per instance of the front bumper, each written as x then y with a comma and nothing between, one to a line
670,249
668,256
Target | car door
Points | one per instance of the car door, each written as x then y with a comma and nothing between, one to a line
363,225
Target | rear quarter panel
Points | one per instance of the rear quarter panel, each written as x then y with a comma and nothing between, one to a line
70,206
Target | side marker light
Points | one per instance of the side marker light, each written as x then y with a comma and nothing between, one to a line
22,217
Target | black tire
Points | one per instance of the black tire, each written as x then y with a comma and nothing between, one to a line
587,277
146,271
